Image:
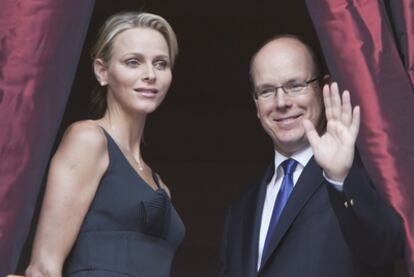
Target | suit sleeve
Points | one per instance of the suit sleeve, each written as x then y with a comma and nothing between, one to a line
372,229
223,262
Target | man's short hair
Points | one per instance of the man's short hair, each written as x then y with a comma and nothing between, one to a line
317,58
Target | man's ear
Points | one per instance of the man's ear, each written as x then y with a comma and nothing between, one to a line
257,107
100,70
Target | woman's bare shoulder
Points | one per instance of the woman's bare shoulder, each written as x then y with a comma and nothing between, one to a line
83,143
86,132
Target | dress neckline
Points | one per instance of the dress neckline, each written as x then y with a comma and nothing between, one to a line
154,176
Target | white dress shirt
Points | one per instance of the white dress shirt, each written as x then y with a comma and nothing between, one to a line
302,157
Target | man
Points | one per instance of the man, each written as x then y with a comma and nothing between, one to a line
315,213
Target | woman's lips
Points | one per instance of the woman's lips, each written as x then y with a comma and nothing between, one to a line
147,92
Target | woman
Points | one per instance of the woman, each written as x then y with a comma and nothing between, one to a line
105,212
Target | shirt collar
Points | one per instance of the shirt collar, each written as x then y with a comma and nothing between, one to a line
302,157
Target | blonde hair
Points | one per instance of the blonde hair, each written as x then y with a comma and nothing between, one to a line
117,24
120,22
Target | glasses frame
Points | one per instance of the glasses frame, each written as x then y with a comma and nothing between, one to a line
287,91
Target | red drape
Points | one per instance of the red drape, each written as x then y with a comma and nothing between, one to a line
369,48
40,45
402,17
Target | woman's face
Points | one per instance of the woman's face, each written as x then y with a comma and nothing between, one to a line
138,74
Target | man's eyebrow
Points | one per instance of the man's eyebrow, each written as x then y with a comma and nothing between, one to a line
266,85
293,80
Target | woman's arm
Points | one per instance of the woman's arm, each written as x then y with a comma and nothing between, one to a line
73,179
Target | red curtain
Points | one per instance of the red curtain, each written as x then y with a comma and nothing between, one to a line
369,48
40,45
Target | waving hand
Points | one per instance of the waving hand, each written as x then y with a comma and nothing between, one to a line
334,150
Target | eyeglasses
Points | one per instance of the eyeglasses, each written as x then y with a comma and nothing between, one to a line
291,89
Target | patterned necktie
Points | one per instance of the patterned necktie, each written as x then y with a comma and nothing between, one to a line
286,188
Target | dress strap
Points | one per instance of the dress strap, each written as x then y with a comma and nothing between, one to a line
107,135
155,177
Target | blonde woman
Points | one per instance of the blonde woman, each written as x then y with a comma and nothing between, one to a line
105,212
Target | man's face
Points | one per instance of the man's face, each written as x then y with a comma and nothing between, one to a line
279,62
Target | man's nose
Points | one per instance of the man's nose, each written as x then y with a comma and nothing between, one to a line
281,98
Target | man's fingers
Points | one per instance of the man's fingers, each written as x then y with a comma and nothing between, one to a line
356,121
346,109
335,101
311,134
327,101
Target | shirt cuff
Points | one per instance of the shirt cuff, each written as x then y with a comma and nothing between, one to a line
337,185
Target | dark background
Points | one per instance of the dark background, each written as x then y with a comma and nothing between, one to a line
204,140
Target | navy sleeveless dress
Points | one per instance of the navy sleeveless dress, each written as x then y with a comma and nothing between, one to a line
129,230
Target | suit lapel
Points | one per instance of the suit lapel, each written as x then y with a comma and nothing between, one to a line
309,181
253,215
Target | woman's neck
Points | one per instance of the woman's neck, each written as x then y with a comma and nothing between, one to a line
126,129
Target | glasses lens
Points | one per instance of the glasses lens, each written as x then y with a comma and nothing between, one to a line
265,93
295,88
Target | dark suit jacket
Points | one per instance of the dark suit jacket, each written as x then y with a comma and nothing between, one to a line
319,234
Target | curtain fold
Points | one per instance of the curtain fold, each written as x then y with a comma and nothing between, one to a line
402,18
369,47
40,45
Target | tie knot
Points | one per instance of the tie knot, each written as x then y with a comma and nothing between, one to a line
289,166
